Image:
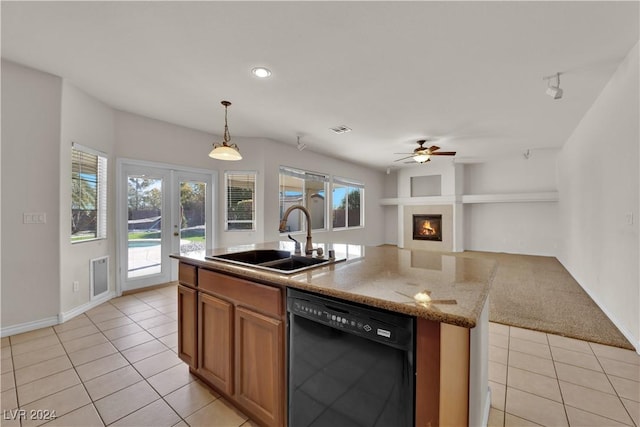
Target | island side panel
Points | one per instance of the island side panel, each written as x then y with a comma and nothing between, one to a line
479,395
427,373
454,375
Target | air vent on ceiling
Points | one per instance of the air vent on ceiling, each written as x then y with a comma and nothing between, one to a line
341,129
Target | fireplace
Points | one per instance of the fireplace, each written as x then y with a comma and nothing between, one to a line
427,227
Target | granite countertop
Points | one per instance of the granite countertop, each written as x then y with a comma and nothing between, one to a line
382,276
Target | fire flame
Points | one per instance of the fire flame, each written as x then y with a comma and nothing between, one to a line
426,229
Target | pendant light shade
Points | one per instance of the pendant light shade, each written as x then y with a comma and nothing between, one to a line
225,151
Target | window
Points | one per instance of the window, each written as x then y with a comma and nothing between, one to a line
240,192
347,200
88,194
309,189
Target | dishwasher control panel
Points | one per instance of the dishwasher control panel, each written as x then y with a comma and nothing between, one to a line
369,323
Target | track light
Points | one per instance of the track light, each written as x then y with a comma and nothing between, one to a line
300,145
553,91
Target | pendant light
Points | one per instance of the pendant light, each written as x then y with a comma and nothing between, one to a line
225,151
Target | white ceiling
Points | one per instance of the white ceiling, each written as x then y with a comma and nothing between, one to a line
468,73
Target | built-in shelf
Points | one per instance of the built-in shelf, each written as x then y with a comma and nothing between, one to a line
548,196
425,200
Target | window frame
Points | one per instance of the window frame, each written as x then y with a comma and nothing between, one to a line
101,197
302,174
254,220
350,185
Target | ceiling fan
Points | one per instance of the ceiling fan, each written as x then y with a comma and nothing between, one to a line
423,154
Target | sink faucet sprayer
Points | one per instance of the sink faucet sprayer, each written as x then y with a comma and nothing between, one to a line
308,248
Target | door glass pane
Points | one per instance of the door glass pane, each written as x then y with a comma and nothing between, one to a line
144,198
192,217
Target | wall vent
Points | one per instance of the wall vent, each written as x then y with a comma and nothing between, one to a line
99,272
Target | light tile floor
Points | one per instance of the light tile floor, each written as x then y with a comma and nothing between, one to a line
117,365
549,380
114,365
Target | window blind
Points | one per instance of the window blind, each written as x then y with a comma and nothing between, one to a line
240,193
88,193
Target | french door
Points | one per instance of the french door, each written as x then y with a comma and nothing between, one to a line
161,210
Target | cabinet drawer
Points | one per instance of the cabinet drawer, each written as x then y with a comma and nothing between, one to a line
187,275
266,299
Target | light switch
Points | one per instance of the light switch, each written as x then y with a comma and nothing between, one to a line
629,217
34,218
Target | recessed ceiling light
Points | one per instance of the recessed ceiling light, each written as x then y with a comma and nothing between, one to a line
261,72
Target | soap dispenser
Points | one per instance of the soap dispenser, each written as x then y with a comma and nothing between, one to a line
297,250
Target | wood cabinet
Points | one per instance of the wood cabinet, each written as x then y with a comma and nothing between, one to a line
231,333
215,347
187,325
259,364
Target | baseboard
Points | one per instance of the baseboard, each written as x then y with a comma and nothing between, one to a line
28,326
54,320
487,409
633,340
628,335
67,315
148,288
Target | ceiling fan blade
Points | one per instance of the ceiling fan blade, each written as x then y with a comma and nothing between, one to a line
404,158
444,153
402,153
433,148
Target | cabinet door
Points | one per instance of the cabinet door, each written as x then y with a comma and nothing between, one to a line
260,365
215,344
187,325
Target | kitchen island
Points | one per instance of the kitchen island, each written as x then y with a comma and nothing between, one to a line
232,323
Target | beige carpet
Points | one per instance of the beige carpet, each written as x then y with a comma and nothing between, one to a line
538,293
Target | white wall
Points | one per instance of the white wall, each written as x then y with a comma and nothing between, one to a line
513,174
142,138
391,212
30,183
523,228
599,191
441,166
88,122
518,228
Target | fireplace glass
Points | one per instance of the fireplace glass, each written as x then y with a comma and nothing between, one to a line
427,227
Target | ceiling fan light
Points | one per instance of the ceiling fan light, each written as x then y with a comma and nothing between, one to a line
225,152
421,158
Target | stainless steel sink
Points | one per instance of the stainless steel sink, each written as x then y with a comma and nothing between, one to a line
282,262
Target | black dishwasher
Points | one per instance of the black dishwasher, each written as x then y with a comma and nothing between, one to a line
349,365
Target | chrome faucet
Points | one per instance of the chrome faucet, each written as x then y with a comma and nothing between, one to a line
308,248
